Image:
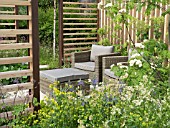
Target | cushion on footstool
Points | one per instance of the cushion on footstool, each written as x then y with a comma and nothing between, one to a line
64,75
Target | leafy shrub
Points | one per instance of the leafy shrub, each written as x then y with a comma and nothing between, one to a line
107,106
46,26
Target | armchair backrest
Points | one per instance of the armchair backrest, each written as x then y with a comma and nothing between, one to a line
100,50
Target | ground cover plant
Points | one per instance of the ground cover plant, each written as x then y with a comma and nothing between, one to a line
107,106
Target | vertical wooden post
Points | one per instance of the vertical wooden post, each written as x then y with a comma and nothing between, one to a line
98,20
16,22
61,53
35,51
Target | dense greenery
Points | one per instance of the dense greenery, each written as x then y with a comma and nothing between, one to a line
106,107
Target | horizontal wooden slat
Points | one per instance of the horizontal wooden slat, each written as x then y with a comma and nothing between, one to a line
15,46
74,49
77,44
15,17
15,2
70,8
75,3
79,18
8,6
7,41
92,38
18,100
13,74
67,54
87,14
9,114
79,28
7,23
16,87
80,23
7,12
8,36
14,31
14,60
73,34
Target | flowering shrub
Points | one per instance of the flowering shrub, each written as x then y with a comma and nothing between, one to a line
107,106
148,65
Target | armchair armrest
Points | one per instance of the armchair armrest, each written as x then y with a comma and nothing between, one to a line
83,56
108,61
99,64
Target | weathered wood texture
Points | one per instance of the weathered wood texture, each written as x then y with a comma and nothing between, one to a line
122,35
9,41
79,27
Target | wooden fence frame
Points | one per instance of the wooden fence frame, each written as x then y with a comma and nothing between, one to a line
33,48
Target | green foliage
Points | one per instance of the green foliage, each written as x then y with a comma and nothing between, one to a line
46,26
106,107
46,57
45,4
13,67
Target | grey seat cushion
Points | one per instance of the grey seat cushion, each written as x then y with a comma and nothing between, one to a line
89,66
110,73
100,50
64,75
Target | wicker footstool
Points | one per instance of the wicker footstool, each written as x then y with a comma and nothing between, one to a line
64,75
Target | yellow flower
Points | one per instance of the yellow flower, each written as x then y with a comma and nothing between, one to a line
131,113
143,124
140,118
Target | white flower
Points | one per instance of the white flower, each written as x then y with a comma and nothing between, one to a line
123,66
91,87
145,78
139,45
137,102
153,67
122,10
108,5
80,93
112,66
125,76
139,63
89,80
90,117
119,64
132,62
145,40
135,55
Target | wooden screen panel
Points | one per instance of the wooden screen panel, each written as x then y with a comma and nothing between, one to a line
9,43
6,11
79,27
122,34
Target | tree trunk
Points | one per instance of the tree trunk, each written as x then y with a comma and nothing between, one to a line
54,32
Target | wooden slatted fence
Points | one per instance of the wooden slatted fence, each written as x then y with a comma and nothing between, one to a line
27,53
122,35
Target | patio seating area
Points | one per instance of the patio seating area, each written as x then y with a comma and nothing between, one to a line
85,65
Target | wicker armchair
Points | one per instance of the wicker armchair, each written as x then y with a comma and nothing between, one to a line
93,68
108,61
